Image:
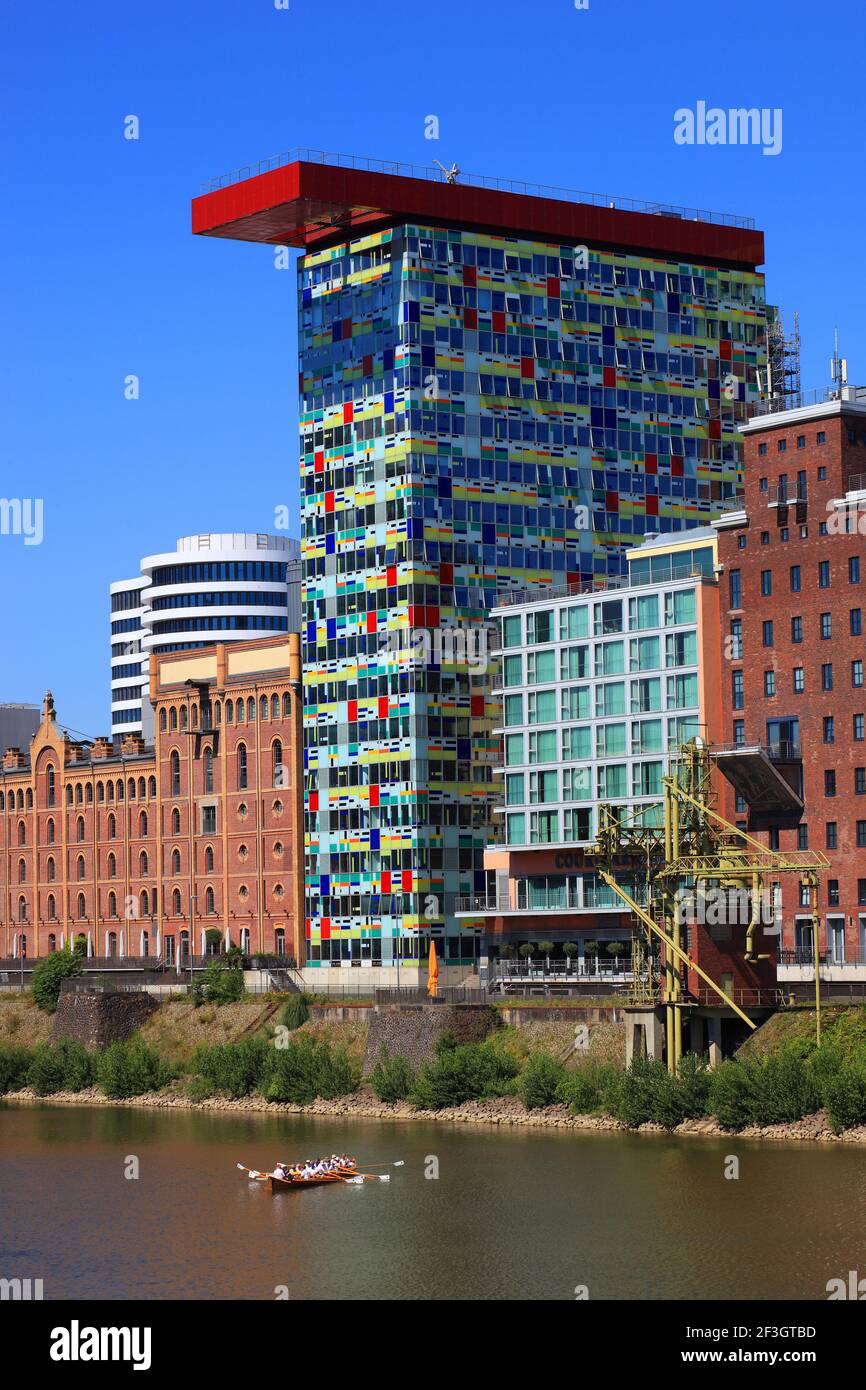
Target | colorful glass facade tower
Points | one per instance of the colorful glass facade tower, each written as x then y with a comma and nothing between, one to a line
497,391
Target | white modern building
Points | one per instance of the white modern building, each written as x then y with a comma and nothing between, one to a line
213,587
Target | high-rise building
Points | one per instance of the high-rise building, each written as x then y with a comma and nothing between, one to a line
212,587
497,390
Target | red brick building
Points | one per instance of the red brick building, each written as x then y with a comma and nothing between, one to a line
138,849
793,597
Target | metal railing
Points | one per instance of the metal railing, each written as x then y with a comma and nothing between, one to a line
433,174
787,494
544,593
854,395
781,751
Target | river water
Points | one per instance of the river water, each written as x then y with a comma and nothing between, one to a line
512,1214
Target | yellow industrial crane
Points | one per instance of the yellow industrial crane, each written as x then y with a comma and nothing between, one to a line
692,850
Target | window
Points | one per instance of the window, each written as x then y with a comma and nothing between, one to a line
765,538
541,707
795,579
829,729
208,770
822,437
736,640
142,824
79,830
81,868
242,767
175,772
827,675
855,622
801,441
739,733
769,683
511,637
831,839
767,632
858,728
112,827
735,587
802,837
781,446
681,607
607,617
826,626
539,627
762,450
208,820
824,574
175,821
860,781
52,908
643,612
861,834
175,862
277,762
854,569
799,680
209,904
540,667
833,892
829,782
573,663
208,860
51,871
50,785
49,832
82,907
737,696
142,864
857,674
796,629
766,583
175,903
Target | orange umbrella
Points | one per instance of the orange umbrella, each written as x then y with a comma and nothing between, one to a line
433,973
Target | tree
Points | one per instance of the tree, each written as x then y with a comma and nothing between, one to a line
49,975
569,950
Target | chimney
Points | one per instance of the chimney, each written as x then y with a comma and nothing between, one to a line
13,759
101,747
132,744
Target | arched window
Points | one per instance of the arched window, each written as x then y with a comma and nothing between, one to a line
280,941
111,941
142,824
120,791
112,825
263,707
112,904
209,905
172,719
218,713
112,866
163,721
22,832
130,789
49,831
20,801
175,861
100,792
79,794
230,711
194,717
2,801
81,868
142,864
240,712
88,794
50,870
50,786
251,710
208,770
208,860
142,789
183,716
275,706
29,799
151,787
175,821
22,909
144,903
242,767
52,908
70,795
52,943
175,902
22,870
110,792
175,772
277,762
82,907
79,830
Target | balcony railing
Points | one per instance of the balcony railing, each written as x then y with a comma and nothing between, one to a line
545,593
787,495
855,395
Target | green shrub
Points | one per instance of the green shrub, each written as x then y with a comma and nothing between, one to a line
539,1080
589,1087
79,1065
45,1074
296,1012
645,1094
467,1072
785,1088
233,1068
199,1088
130,1069
392,1078
446,1042
14,1065
221,983
732,1098
844,1097
49,975
305,1070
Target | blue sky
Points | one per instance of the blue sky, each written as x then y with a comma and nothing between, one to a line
101,277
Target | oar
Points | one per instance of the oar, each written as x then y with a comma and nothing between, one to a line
369,1177
253,1172
397,1163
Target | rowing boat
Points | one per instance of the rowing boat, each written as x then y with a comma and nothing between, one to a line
284,1184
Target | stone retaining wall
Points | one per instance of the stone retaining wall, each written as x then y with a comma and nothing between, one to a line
412,1030
98,1019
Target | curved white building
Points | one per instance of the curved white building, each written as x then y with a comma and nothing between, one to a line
214,587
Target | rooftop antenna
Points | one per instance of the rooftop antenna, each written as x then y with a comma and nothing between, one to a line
450,174
838,365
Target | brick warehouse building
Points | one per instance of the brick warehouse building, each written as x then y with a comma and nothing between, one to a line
793,593
134,847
